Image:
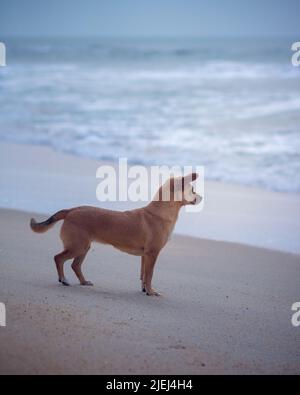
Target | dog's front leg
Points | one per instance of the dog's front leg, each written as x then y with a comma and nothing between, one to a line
142,276
149,263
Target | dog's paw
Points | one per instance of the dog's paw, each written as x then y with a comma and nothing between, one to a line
64,282
152,292
87,283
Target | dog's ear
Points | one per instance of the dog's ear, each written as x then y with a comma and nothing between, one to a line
191,177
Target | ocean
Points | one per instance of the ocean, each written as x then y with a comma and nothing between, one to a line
231,105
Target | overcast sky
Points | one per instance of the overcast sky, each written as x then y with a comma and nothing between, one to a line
150,18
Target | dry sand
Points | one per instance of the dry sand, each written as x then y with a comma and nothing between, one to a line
226,308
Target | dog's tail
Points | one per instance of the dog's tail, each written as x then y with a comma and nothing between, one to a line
41,227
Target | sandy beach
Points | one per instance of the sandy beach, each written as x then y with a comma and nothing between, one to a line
226,308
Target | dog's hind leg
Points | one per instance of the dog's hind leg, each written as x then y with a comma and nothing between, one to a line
59,261
76,266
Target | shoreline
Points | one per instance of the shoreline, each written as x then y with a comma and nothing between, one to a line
225,309
39,179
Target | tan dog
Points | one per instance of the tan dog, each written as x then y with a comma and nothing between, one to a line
142,232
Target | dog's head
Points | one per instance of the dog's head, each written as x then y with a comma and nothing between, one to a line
179,190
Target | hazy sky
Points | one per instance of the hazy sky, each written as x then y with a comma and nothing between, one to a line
150,17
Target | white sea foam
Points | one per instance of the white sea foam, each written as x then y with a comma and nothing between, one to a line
237,113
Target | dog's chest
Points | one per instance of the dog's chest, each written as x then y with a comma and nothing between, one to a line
129,249
171,232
